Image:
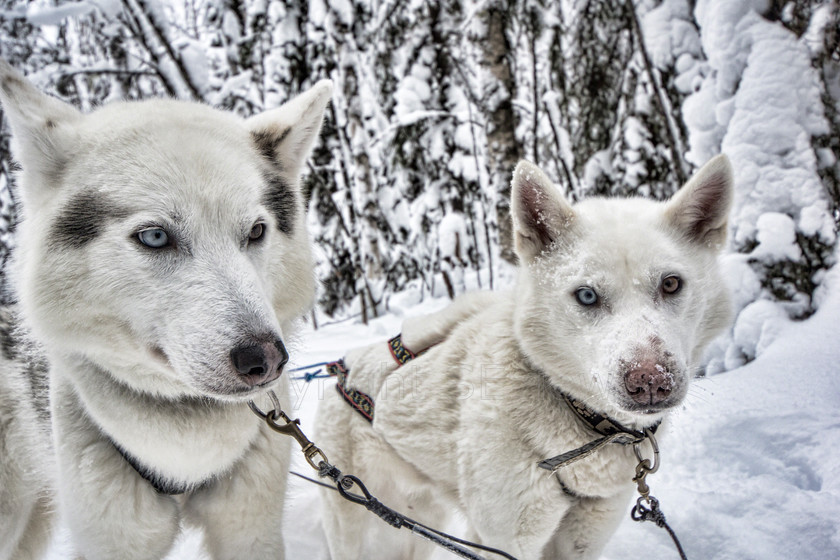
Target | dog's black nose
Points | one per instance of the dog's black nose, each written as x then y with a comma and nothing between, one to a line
258,364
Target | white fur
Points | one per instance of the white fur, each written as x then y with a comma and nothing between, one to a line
463,426
25,464
139,341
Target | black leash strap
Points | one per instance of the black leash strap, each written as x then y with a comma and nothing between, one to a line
351,488
640,511
653,513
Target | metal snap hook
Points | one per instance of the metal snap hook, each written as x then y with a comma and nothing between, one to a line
655,446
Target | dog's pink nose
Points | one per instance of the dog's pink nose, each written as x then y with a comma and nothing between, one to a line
258,364
649,383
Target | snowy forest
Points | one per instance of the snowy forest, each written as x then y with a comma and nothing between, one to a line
435,102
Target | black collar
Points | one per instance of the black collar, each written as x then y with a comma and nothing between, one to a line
160,483
610,431
599,423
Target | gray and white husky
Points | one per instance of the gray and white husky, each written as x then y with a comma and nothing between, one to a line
614,302
161,261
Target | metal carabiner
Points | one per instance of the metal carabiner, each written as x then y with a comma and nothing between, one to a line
645,467
290,428
655,446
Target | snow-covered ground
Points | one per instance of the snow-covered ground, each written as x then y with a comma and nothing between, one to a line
750,470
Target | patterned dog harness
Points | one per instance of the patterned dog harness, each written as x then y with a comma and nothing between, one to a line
362,402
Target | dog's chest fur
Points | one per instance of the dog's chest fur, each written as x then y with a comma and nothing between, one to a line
190,441
492,411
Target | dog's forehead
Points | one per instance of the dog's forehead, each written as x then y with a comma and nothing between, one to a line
622,236
168,150
159,119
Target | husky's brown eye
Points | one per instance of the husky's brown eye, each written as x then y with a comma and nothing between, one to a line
671,285
257,232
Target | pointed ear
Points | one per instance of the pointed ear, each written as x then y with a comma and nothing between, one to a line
540,213
285,135
42,126
700,209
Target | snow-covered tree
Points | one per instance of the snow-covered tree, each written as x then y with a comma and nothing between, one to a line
435,103
760,100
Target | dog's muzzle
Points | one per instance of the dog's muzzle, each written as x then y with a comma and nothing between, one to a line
260,363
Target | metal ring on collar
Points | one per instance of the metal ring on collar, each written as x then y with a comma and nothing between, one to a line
655,446
275,402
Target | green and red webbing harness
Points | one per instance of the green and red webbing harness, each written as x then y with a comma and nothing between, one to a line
362,402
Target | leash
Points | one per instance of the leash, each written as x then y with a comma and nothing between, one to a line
310,375
351,488
429,529
399,352
640,511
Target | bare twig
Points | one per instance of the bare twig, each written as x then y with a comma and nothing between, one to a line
146,23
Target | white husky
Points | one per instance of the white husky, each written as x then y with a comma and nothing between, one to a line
614,302
161,261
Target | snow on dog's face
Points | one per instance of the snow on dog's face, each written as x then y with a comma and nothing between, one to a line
618,297
168,230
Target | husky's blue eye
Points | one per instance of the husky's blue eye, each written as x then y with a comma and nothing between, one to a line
155,238
586,296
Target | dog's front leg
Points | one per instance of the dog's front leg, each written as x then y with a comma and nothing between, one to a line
242,511
111,511
587,526
517,514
